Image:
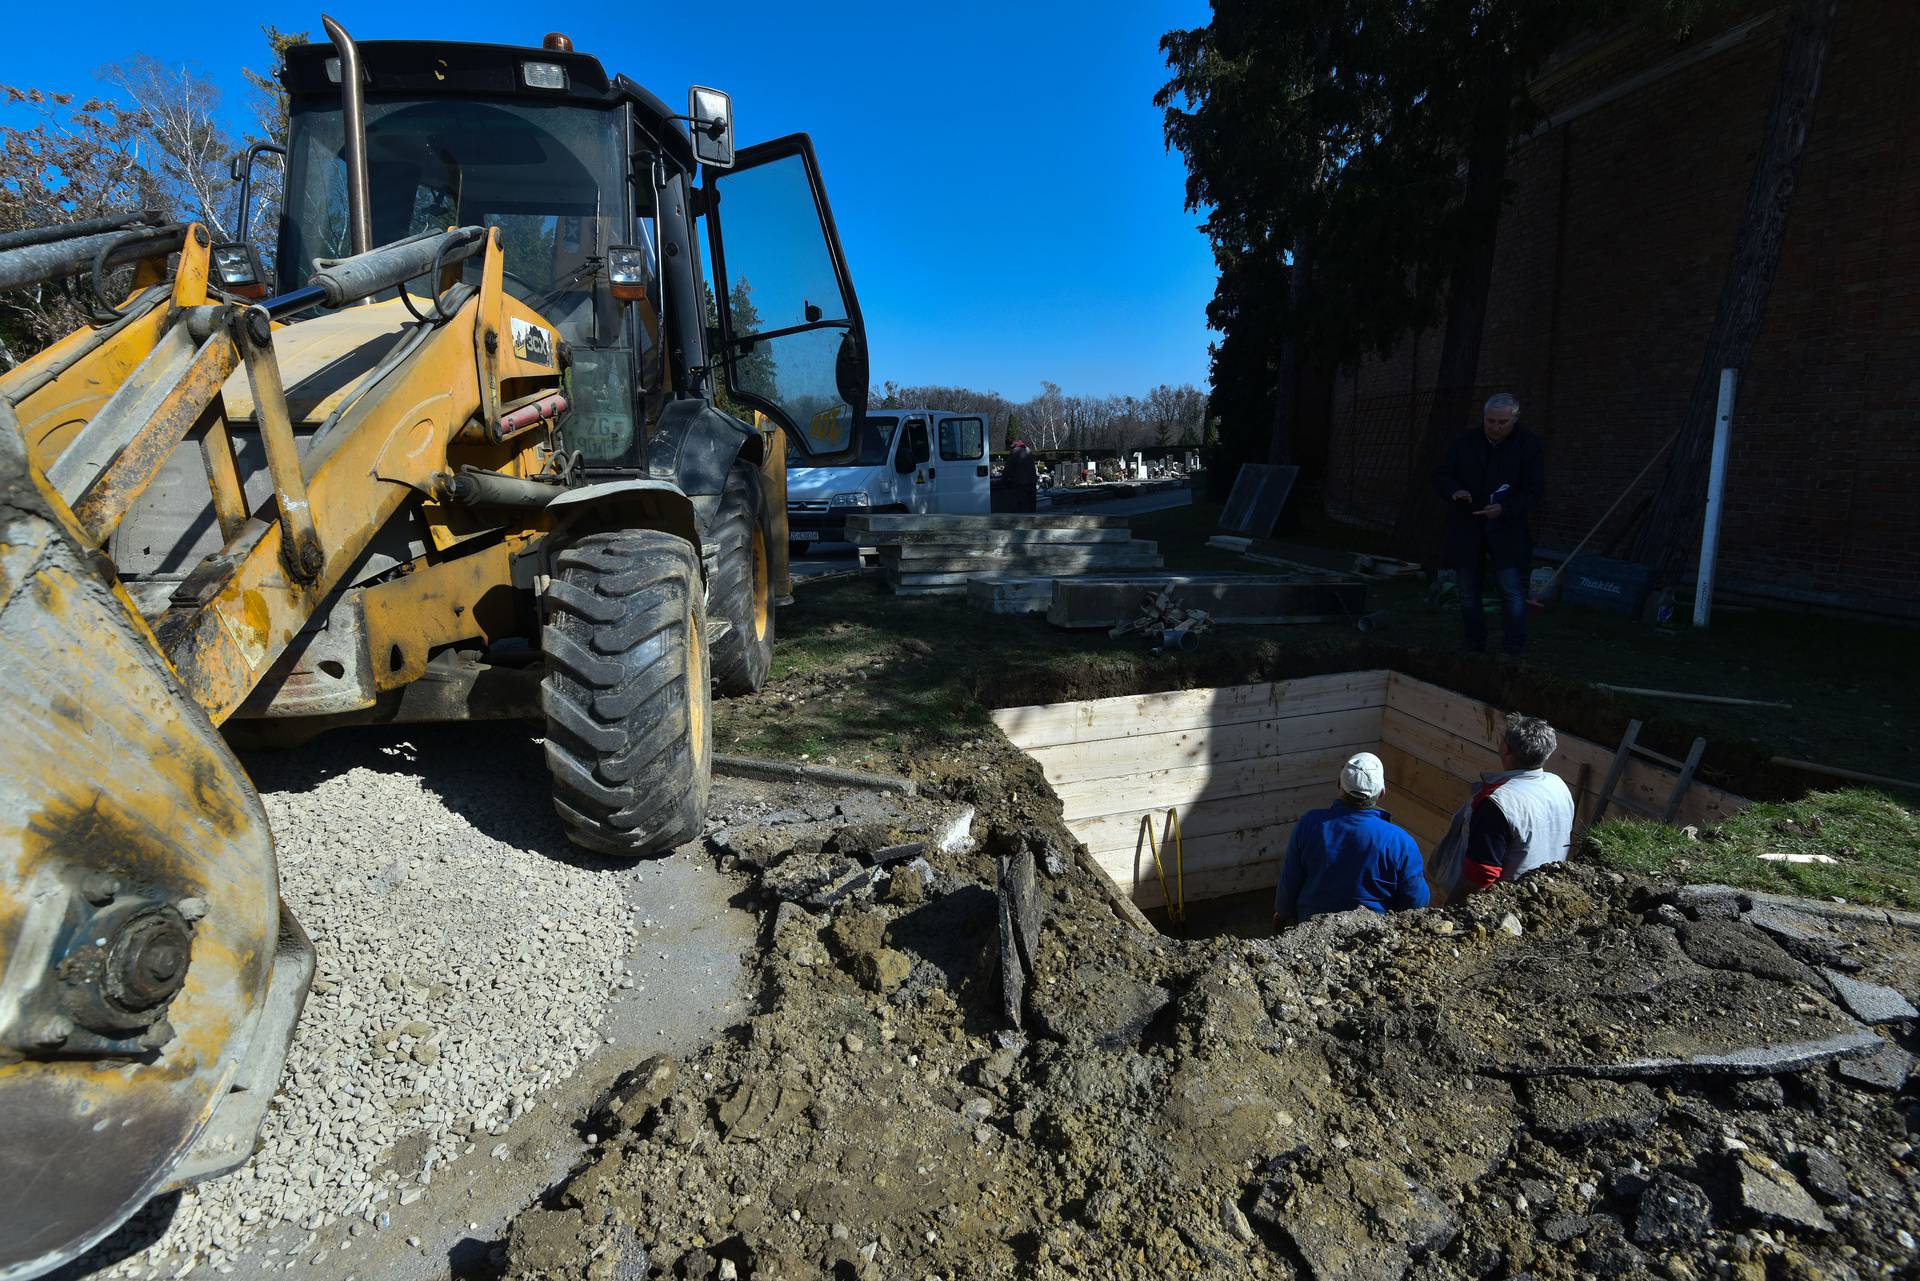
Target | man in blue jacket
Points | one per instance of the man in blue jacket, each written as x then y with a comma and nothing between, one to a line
1350,854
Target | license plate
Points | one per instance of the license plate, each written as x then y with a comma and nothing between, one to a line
804,535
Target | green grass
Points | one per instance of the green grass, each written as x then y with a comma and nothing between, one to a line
1874,841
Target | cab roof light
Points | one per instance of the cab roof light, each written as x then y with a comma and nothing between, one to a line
543,75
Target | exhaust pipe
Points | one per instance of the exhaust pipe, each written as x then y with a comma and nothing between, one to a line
353,120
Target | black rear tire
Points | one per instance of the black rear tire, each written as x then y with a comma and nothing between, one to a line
740,584
626,694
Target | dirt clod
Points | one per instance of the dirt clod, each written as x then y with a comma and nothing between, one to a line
1424,1095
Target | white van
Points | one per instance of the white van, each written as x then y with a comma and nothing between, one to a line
910,460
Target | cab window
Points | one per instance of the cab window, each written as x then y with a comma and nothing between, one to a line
962,439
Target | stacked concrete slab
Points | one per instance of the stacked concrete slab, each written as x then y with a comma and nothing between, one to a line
941,554
1304,595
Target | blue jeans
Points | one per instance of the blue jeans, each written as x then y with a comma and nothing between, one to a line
1511,580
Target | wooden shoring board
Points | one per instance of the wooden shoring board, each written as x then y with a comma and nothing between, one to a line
1480,724
1439,788
1427,824
1448,753
1355,730
1146,715
1475,729
1192,784
1207,856
1210,817
1218,882
1242,775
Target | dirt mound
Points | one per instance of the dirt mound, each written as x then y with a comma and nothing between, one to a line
1580,1074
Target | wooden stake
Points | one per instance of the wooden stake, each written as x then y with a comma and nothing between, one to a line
1691,698
1814,767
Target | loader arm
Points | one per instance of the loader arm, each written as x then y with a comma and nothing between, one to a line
149,977
239,611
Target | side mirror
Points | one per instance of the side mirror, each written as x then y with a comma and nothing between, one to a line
850,373
711,115
903,460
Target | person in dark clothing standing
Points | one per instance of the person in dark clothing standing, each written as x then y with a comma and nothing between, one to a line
1493,477
1023,478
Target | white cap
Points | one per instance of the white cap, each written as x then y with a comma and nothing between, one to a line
1364,776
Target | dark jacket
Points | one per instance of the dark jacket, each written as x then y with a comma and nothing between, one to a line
1021,472
1518,462
1345,857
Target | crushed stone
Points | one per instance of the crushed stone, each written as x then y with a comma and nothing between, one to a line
463,962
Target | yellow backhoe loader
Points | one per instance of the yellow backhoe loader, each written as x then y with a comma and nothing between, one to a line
457,456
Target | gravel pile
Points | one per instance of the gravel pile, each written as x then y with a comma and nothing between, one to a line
460,974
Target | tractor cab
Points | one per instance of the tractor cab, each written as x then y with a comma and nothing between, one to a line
590,183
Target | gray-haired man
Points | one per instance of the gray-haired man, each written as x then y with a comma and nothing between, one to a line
1519,818
1492,477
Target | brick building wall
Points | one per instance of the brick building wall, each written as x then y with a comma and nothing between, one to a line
1608,268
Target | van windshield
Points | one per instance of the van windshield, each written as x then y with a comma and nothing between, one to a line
876,443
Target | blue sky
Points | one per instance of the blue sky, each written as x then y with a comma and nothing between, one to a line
1009,210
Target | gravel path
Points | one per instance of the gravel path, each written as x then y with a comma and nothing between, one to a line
467,955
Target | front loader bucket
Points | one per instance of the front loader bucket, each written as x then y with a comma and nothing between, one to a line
147,979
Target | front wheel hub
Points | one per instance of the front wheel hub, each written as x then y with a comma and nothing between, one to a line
124,966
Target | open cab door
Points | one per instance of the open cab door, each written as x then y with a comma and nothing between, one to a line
791,342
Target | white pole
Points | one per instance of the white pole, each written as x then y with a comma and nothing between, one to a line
1716,486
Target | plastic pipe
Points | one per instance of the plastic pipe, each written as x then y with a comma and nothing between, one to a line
1716,487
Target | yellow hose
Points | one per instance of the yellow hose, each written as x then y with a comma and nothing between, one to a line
1176,900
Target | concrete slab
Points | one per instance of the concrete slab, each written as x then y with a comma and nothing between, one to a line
894,522
1753,1061
959,578
982,537
1025,565
1886,1068
1870,1002
1010,595
1100,601
906,554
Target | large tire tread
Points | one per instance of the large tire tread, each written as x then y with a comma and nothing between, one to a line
743,658
626,695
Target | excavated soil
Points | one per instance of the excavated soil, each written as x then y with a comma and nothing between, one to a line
1581,1074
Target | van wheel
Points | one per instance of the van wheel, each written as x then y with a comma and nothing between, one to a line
740,584
629,735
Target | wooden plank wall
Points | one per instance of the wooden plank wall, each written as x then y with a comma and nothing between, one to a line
1243,763
1435,743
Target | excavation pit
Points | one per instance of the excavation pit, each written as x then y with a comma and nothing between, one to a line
1239,765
